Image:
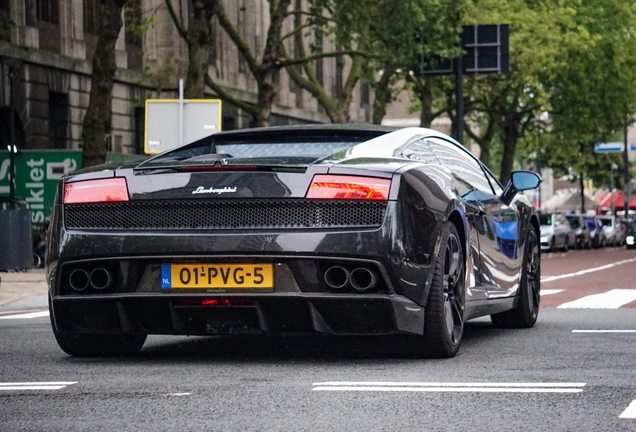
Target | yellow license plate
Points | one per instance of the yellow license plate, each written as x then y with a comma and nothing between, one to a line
220,276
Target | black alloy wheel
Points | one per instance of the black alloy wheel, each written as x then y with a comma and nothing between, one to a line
444,316
527,310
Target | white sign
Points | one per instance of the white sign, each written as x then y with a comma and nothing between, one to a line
201,118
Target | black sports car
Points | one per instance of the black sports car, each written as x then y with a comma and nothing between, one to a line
353,230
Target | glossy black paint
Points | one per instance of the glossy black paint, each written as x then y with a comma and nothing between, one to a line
403,250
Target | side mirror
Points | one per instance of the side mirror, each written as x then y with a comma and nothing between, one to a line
520,181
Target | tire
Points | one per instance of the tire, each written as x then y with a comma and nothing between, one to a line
97,345
444,313
566,245
527,310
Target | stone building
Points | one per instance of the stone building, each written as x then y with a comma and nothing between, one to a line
50,44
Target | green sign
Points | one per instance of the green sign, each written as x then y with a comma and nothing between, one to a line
36,175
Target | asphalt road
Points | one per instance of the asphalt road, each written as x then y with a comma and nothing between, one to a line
573,371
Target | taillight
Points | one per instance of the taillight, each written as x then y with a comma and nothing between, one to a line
112,189
349,187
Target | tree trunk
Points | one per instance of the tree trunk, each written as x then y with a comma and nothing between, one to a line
582,192
265,99
380,93
97,118
199,41
511,135
424,92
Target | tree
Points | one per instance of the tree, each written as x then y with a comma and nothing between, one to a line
591,97
97,118
198,40
505,107
262,68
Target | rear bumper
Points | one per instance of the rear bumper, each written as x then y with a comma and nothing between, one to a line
275,314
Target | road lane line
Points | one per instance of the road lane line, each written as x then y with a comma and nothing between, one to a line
17,386
603,331
29,315
630,412
608,300
449,387
591,270
545,292
441,384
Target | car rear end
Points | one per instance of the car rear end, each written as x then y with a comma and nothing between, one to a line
238,248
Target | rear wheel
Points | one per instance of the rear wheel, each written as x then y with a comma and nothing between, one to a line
97,345
527,310
444,317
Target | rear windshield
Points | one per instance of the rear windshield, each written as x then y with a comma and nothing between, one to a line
299,149
545,219
290,143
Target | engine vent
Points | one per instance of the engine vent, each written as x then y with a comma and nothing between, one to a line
224,214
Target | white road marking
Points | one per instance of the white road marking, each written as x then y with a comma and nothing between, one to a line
630,412
450,387
28,315
178,394
36,385
545,292
608,300
603,331
591,270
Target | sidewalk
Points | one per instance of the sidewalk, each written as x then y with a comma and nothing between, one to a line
16,287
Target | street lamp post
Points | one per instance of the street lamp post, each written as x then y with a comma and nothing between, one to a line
613,168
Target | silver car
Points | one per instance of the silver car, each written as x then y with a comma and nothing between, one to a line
556,232
612,230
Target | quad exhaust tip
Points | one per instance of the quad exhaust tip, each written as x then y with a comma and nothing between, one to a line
360,279
337,277
100,278
79,279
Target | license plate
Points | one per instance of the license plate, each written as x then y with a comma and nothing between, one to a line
218,276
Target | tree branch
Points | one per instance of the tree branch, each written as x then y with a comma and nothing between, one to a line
241,44
227,96
178,24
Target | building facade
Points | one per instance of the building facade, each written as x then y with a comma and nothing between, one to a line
48,46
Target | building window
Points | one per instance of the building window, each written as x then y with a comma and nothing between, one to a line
58,120
48,11
139,115
92,12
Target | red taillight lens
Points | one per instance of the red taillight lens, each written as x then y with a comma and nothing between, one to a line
349,187
113,189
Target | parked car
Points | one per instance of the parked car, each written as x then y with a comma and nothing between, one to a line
612,230
339,230
630,233
581,231
596,232
556,232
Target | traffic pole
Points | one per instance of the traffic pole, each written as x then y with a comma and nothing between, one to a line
627,186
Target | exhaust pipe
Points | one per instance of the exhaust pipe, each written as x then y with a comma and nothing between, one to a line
337,277
100,278
362,279
78,279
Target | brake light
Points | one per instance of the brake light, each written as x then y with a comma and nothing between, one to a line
112,189
349,187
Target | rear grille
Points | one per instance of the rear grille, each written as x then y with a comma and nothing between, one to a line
224,214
